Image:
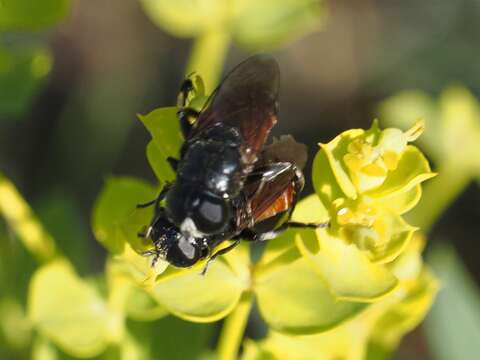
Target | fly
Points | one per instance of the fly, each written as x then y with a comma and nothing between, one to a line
229,185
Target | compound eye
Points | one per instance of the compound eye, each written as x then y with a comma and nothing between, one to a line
176,204
211,214
183,253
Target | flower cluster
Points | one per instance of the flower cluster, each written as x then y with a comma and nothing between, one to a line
357,272
365,181
375,332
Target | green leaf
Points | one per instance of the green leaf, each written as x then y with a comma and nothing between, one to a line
294,299
68,311
310,210
129,348
116,220
191,296
460,119
142,307
402,202
343,342
170,338
271,23
278,253
413,168
347,271
187,18
43,349
15,327
324,181
32,14
164,127
403,316
334,152
397,233
409,265
22,71
157,160
254,24
283,250
254,351
453,325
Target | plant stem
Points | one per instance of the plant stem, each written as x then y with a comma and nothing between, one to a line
233,329
21,219
208,55
439,193
119,289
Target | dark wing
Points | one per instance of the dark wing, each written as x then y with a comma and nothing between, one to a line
276,180
268,207
275,196
247,100
284,149
269,195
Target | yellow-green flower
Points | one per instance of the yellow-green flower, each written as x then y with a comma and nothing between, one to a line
305,281
373,333
365,181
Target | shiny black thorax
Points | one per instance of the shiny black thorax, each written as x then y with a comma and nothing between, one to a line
210,176
213,162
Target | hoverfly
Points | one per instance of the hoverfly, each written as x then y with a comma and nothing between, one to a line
229,186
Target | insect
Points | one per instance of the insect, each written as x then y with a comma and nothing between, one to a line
228,185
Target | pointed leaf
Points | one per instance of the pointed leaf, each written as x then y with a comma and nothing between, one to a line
294,299
164,127
116,220
335,151
398,234
347,271
142,307
402,202
324,181
194,297
413,168
283,249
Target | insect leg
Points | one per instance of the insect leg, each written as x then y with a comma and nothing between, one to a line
251,235
299,225
142,234
187,117
173,163
147,204
156,255
218,253
185,89
156,201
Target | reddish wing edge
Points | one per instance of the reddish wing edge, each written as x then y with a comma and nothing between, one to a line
280,194
275,197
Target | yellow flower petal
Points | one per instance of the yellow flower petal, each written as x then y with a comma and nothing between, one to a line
347,270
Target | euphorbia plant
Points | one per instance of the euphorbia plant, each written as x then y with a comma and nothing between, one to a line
351,290
306,281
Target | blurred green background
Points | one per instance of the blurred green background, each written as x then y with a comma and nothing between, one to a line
74,75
